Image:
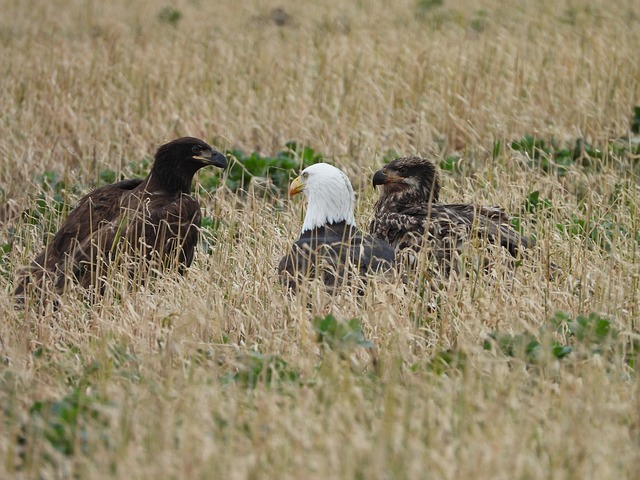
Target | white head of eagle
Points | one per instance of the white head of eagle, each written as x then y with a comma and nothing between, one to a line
330,197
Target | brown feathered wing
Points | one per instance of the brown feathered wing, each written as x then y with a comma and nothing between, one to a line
110,223
446,228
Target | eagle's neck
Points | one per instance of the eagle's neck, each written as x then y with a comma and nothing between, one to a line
329,206
166,177
388,202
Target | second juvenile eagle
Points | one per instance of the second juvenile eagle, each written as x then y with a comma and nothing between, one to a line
154,219
408,215
330,246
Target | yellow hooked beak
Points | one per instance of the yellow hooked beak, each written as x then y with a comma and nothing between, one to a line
296,186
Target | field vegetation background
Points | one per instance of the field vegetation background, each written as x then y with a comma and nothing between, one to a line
220,373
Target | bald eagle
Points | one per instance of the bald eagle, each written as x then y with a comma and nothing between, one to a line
330,246
408,214
153,219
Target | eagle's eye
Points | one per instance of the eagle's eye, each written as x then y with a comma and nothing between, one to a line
403,170
305,175
197,149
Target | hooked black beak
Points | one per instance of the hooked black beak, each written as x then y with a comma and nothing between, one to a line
379,178
212,157
218,159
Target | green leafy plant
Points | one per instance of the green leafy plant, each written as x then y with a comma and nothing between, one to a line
426,5
277,170
65,423
594,331
5,251
340,336
134,169
596,334
209,231
531,146
390,155
546,156
447,361
635,120
453,163
526,346
108,176
170,16
593,334
140,168
554,159
601,231
497,149
254,368
50,202
534,205
480,21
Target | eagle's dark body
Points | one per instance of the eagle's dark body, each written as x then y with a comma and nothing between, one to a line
330,247
148,222
409,217
337,254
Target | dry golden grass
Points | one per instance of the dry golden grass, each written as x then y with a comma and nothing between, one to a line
149,383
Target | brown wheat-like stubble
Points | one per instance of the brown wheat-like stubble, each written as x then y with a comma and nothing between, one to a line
93,86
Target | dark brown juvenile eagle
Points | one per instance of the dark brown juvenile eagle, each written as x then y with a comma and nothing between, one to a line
330,246
408,215
153,219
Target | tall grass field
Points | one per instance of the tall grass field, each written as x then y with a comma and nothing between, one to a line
526,371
